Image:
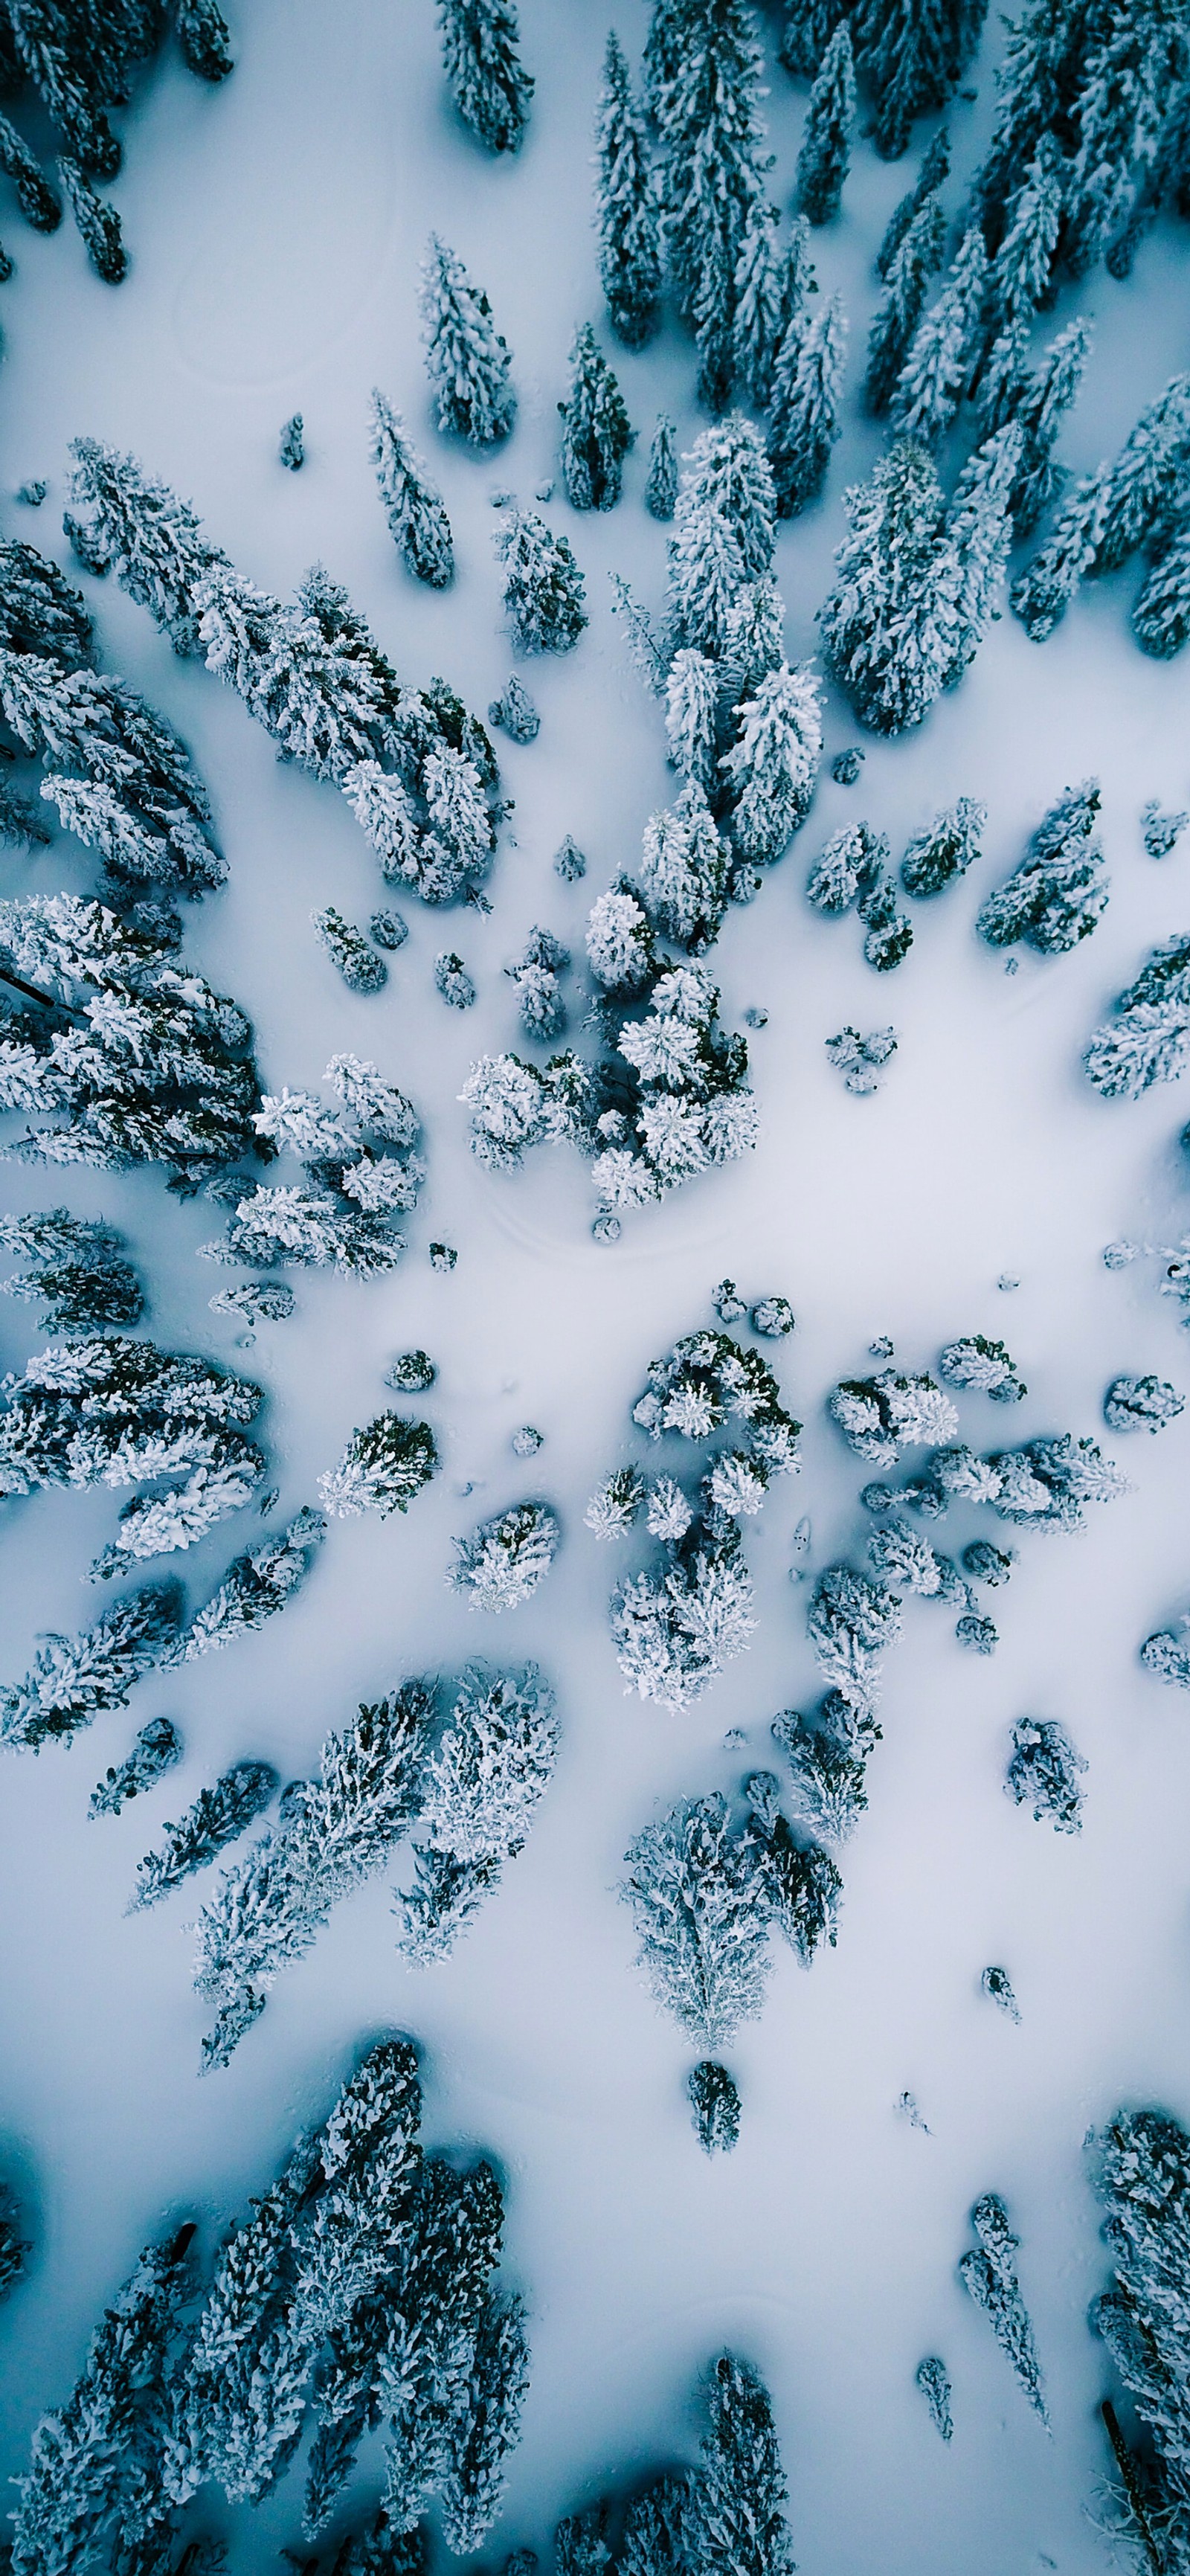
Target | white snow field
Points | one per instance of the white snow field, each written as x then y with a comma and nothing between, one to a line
275,225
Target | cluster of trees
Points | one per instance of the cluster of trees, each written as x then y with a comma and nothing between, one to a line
675,1625
1045,1484
77,1266
472,1776
360,1171
882,1415
360,2291
418,771
1135,503
852,874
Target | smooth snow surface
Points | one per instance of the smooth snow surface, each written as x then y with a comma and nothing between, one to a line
275,227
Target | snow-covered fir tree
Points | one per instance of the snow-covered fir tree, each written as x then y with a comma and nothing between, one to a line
1044,1773
138,527
1161,616
715,2103
978,536
1141,1404
1141,2169
535,975
772,765
803,1883
937,370
900,308
935,168
413,507
989,2273
1145,484
543,587
938,856
826,1793
1020,277
488,81
1047,395
515,712
596,431
1148,1040
976,1361
452,980
467,360
807,380
1059,892
1041,594
728,471
255,1587
692,715
850,1621
705,84
880,626
616,1503
115,1411
358,964
826,136
702,1913
334,1832
204,39
217,1816
507,1557
849,865
73,1679
661,482
933,2379
737,2518
383,1468
98,222
761,298
482,1785
39,203
154,1752
861,1060
684,865
628,214
909,56
879,1416
76,1265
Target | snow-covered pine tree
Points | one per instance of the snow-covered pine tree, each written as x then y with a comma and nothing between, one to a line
488,81
937,371
39,203
596,431
935,168
715,2103
879,1416
706,577
452,980
661,483
727,470
93,2492
1020,277
1042,593
1047,393
535,975
1161,617
1044,1773
1149,1039
938,856
990,2275
333,1832
72,1679
217,1816
467,361
507,1557
803,1883
483,2424
737,2507
543,587
906,53
255,1586
358,964
1146,482
154,1752
628,214
154,541
1141,2170
383,1468
986,1365
203,39
826,1794
482,1784
760,296
707,108
1059,892
98,222
692,694
1141,1404
753,639
413,507
809,26
658,2522
683,871
933,2379
773,763
900,308
850,1621
805,418
674,1631
115,1411
40,611
702,1913
880,624
1135,62
975,550
826,136
77,1265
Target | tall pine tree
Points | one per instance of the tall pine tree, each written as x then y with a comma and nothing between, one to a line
488,81
628,213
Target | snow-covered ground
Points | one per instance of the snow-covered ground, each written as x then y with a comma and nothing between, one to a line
275,227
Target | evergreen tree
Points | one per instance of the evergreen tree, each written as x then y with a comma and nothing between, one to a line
507,1557
1045,396
934,169
880,628
412,506
1161,616
217,1816
707,107
809,27
933,2379
98,223
656,2528
826,137
73,1679
684,870
1145,483
803,1883
700,1906
805,408
977,540
154,1752
1044,1773
943,853
627,209
543,587
203,38
760,294
1135,61
119,777
596,433
77,1265
674,1632
1141,2164
1141,1404
1048,1481
661,486
692,715
452,980
1020,278
706,577
483,2426
542,1009
753,640
826,1792
515,712
292,445
1041,595
728,471
850,1621
383,1468
937,370
715,2103
255,1586
154,541
737,2503
488,82
466,359
1059,892
358,964
904,52
772,766
39,203
117,1412
986,1365
900,308
880,1416
333,1833
1149,1039
316,1229
990,2275
482,1785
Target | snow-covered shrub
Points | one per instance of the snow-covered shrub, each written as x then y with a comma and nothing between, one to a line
154,1752
715,2103
481,1787
1059,892
1044,1773
217,1816
987,1562
933,2379
989,2273
1168,1655
616,1503
412,1373
383,1468
880,1416
938,856
1141,1404
515,712
997,1985
505,1559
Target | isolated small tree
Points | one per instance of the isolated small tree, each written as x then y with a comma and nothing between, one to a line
990,2275
1044,1773
452,980
543,587
507,1557
98,223
805,409
154,1752
358,964
702,1915
987,1365
1141,1404
1059,892
467,361
217,1816
661,482
596,432
488,82
715,2103
535,975
943,853
933,2379
414,509
826,139
628,214
997,1985
383,1468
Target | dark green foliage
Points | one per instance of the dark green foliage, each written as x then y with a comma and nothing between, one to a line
467,359
801,1881
905,51
203,38
76,1265
826,140
596,432
945,852
40,612
155,1751
715,2103
738,2500
217,1816
1054,899
980,1635
809,27
98,223
292,444
661,484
